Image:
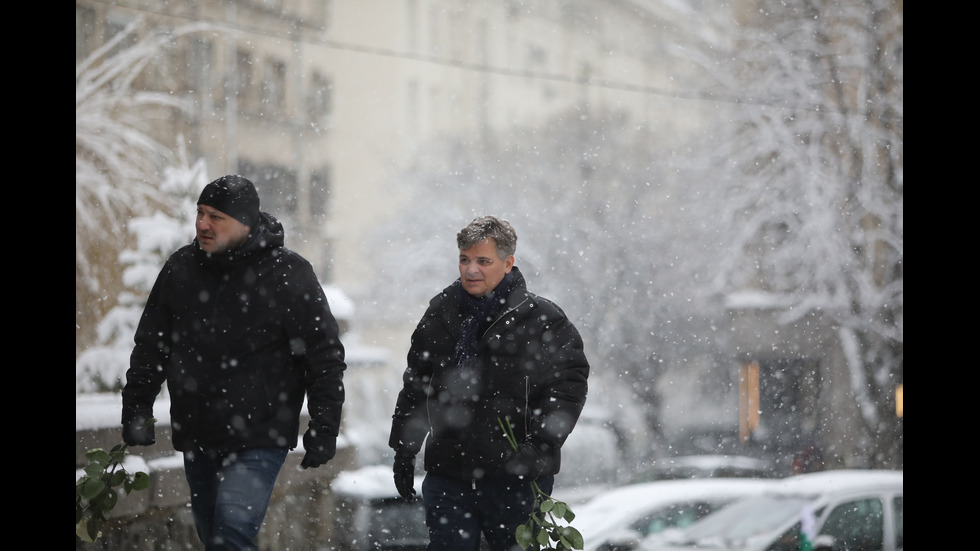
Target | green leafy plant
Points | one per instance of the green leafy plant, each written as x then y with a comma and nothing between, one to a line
95,491
542,527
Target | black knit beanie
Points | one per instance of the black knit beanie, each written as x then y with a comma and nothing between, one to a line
235,196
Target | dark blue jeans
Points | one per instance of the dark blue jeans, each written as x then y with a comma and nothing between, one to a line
230,494
458,511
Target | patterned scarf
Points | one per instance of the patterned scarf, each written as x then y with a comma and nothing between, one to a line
478,313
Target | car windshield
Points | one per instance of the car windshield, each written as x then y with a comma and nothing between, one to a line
745,519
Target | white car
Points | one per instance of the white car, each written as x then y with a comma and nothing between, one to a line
369,514
618,519
856,510
705,466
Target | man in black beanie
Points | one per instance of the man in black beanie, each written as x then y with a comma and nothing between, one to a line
223,202
239,328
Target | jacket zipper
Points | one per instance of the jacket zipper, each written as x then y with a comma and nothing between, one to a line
502,316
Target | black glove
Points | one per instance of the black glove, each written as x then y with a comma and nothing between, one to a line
312,460
320,448
138,431
527,461
405,475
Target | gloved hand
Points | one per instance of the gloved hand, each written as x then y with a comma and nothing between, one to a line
139,431
527,461
404,470
320,448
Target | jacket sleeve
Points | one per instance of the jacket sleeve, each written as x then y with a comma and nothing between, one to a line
410,425
315,340
564,386
151,353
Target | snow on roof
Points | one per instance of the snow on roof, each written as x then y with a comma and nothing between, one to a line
616,508
837,480
713,461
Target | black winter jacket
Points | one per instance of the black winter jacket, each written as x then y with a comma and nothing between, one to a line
240,339
531,371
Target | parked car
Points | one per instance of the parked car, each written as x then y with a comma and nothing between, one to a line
699,439
856,510
705,466
618,519
371,516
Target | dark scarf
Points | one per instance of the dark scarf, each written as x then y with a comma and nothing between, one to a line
478,313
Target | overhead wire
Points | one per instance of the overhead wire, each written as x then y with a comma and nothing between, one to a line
311,37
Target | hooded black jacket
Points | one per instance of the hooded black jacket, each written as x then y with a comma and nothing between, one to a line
531,371
240,338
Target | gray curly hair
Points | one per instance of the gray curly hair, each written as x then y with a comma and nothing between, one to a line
483,228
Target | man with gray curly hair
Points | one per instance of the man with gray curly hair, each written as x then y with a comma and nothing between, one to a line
487,352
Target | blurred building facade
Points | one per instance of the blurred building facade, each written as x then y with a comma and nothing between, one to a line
322,102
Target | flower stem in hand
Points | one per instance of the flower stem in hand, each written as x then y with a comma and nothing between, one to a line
545,515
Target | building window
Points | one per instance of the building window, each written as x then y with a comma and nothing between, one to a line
412,106
319,102
435,30
201,60
320,186
411,22
243,79
84,29
274,86
457,37
277,188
